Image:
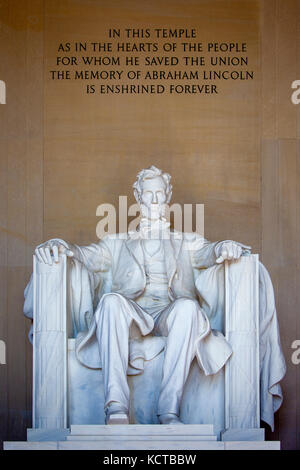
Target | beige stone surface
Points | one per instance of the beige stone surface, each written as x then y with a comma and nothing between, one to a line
64,153
21,206
280,192
95,144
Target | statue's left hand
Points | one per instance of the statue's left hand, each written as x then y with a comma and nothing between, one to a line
230,250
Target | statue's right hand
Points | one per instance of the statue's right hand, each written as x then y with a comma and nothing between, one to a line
49,251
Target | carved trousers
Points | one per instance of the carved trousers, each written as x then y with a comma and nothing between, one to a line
180,322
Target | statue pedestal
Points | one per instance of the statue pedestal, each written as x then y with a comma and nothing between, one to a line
138,437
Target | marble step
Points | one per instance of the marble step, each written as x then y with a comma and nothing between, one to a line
143,445
174,437
141,430
149,443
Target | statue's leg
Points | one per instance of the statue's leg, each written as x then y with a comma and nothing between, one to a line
180,322
113,326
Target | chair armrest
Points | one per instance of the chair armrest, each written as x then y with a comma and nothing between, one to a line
242,395
49,344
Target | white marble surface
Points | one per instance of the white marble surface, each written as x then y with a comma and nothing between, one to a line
143,430
242,372
252,445
45,434
144,445
85,391
23,445
49,345
243,434
148,444
68,385
202,400
142,437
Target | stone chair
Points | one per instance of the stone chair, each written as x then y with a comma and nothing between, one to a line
66,393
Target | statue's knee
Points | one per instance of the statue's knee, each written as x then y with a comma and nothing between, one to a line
111,300
108,305
186,303
186,309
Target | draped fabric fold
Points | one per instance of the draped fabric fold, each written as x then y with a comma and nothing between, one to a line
211,289
211,348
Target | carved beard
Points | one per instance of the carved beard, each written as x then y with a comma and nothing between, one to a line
154,229
155,212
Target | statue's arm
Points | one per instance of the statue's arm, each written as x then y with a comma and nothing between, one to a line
205,254
95,257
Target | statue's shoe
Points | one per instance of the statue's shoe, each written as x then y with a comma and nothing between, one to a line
116,414
169,418
117,418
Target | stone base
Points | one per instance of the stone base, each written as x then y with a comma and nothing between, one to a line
42,435
257,434
136,437
153,445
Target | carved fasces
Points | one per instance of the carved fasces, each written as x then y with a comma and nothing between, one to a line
242,405
49,345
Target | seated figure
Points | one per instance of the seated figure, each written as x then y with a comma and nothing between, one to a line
154,281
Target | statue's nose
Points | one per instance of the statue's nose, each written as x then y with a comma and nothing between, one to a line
154,198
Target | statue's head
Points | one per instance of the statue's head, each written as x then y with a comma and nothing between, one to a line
153,192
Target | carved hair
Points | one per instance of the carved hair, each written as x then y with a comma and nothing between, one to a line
149,173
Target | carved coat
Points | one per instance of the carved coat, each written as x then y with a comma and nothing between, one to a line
119,261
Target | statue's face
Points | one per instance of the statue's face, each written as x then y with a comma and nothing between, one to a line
153,198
